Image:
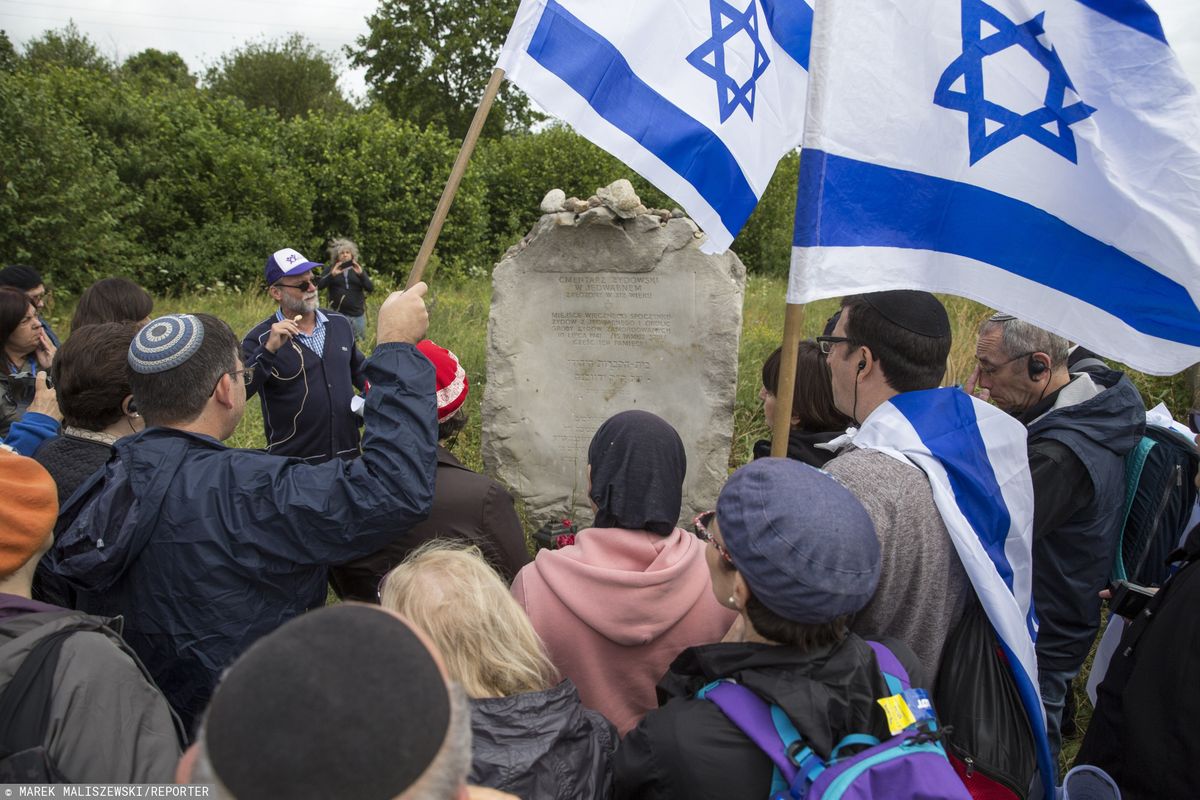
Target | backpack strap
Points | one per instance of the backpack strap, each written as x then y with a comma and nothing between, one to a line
1135,462
893,671
25,704
796,765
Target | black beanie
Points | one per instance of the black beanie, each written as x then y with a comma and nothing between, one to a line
344,701
20,277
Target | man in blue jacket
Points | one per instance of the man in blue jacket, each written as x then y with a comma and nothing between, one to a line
1081,426
204,548
305,367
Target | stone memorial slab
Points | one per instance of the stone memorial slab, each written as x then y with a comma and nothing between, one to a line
596,313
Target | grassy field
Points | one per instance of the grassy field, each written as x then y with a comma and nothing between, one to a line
458,321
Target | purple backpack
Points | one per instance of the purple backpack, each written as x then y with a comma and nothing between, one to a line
911,764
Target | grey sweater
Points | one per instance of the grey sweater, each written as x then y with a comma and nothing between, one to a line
922,584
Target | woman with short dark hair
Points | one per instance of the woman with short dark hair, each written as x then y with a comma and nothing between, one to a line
26,350
90,377
815,419
112,300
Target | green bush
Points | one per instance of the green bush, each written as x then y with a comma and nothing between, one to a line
378,180
64,208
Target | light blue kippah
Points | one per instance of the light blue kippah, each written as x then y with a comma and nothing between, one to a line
165,343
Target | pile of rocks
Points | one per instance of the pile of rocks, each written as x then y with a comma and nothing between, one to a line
616,203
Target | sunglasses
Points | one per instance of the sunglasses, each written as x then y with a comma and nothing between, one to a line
304,287
700,525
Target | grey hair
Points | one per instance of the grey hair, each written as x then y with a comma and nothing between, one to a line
443,779
338,245
1018,337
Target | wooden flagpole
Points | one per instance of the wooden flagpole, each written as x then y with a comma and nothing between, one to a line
456,174
793,329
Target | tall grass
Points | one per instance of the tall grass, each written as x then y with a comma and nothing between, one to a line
458,313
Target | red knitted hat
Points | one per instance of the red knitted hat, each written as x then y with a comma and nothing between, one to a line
452,385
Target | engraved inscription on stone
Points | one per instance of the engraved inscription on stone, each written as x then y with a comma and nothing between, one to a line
592,319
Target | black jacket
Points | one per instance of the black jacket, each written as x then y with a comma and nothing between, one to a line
468,507
1143,731
689,748
1072,561
802,446
204,548
542,746
346,291
306,408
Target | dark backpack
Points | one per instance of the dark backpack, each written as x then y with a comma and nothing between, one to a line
25,705
1159,495
911,763
989,740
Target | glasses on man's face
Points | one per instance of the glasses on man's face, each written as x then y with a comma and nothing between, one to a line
304,286
38,298
247,374
826,343
701,523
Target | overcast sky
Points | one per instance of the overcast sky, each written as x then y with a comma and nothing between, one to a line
201,32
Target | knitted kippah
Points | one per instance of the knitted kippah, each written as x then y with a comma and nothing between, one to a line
346,701
28,512
917,312
165,343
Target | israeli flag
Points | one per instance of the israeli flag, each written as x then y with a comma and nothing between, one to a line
701,97
1039,156
977,462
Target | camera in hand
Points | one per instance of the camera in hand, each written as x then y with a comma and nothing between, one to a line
1128,599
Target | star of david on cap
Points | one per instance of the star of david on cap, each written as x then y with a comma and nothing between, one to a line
727,23
287,262
1055,112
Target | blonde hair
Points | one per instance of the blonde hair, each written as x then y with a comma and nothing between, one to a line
488,643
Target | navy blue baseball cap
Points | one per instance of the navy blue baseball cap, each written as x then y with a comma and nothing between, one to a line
803,543
287,262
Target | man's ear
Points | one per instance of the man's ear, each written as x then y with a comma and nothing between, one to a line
223,393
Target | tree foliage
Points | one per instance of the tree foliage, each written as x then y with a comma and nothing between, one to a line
8,53
428,61
65,47
138,171
153,68
289,76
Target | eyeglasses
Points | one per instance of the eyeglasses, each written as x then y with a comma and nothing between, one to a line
304,287
991,369
826,343
701,524
247,374
37,298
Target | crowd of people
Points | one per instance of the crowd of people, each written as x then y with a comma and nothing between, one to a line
163,595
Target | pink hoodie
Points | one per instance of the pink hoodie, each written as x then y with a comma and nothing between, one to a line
616,608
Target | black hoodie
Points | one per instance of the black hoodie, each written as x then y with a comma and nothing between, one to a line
689,748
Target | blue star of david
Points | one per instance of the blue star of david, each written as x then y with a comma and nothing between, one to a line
969,67
291,259
727,22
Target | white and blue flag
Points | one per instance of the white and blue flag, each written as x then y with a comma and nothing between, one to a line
977,462
701,97
1039,156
